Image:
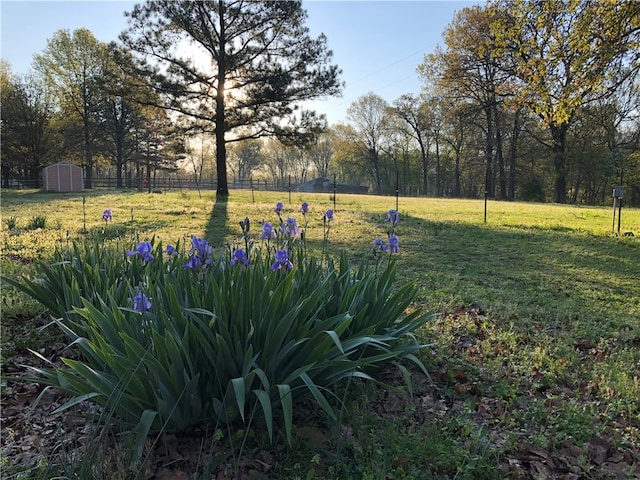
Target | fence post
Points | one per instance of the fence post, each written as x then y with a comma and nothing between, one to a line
334,192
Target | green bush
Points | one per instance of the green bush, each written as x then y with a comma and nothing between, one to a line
169,341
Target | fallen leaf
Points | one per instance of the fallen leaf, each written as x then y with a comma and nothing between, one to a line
170,474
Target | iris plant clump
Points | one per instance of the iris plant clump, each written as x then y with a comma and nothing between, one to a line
391,244
171,338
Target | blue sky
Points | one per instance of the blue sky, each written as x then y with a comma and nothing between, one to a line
378,44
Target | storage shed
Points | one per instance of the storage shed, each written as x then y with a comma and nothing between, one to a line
63,177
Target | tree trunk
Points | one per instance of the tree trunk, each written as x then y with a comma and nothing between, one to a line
375,158
34,173
6,174
425,169
488,154
120,134
88,157
457,190
221,147
424,156
502,176
576,190
559,135
119,157
221,150
438,179
512,155
119,166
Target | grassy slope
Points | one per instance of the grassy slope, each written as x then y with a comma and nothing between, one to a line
537,339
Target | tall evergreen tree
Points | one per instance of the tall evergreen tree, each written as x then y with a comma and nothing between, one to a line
124,117
240,66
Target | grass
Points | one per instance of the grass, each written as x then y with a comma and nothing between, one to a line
537,338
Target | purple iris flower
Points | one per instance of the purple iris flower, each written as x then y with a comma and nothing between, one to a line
239,256
170,250
328,216
392,216
200,250
393,244
282,261
193,264
200,247
267,231
143,249
141,303
106,215
290,227
304,208
378,245
279,208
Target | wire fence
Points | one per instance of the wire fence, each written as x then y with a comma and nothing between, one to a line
164,184
167,184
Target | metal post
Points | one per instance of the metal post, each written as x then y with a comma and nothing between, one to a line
617,201
486,194
619,213
84,214
397,188
334,192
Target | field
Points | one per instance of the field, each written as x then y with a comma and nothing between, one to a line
535,363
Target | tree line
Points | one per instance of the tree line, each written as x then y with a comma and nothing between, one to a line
524,100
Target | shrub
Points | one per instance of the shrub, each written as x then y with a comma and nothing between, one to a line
174,339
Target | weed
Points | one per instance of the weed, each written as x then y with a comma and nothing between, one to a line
36,222
11,222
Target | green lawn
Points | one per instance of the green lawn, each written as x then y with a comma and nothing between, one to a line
535,368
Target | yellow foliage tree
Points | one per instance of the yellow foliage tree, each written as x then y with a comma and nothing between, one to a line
564,55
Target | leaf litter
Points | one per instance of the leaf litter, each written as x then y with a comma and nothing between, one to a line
31,436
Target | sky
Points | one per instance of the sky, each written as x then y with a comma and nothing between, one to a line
377,44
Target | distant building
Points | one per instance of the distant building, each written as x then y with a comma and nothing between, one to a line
63,177
317,185
324,185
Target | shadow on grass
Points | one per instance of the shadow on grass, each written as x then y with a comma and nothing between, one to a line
522,274
40,197
543,274
217,229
